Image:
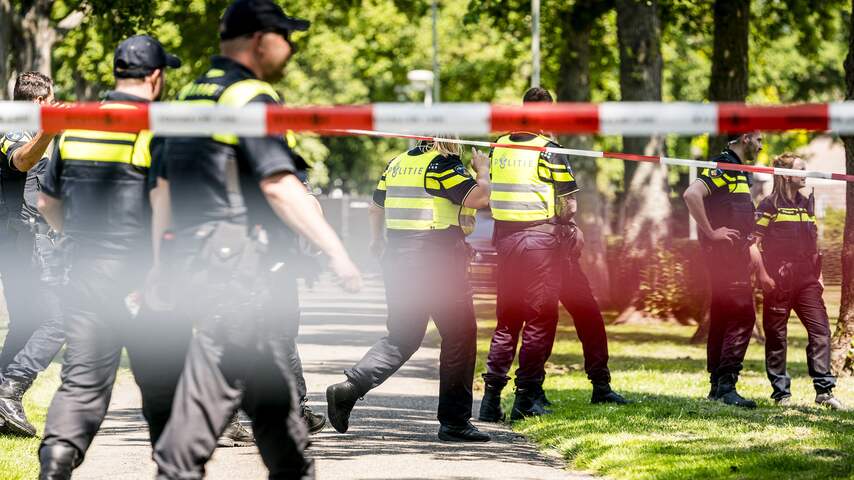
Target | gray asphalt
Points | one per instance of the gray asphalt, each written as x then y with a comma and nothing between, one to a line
393,430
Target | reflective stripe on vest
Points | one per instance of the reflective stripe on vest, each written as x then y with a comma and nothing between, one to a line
112,147
521,187
408,205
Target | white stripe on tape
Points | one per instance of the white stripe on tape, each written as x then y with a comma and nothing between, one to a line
688,163
20,116
459,118
183,119
841,117
645,118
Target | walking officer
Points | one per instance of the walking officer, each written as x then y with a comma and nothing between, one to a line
95,194
228,196
26,262
533,197
786,252
426,199
720,203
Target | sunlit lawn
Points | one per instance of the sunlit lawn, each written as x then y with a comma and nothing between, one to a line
671,431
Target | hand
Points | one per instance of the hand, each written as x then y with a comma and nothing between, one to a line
479,160
348,274
767,283
725,234
377,248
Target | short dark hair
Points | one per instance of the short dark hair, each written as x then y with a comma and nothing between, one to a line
537,94
32,85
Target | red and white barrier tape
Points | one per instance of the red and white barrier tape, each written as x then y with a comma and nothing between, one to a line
610,118
620,156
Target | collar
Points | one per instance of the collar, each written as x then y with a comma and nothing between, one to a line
114,96
227,64
734,155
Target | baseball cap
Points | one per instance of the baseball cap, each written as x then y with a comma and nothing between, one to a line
244,17
140,55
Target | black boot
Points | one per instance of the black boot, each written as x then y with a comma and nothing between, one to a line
462,433
235,435
12,410
57,462
490,406
527,404
602,393
340,400
314,421
713,391
726,392
541,395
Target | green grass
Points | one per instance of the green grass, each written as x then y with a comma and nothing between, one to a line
671,431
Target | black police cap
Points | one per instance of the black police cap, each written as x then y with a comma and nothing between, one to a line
140,55
244,17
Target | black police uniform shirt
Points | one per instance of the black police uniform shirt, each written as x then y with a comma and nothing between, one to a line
198,167
786,230
106,204
729,203
455,183
18,190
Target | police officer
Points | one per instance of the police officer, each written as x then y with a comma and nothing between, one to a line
26,246
789,262
228,195
577,297
720,203
95,195
426,199
533,196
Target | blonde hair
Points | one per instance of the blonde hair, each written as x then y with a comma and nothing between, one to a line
446,148
784,160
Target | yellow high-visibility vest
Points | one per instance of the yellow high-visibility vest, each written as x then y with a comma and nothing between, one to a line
101,146
522,185
408,205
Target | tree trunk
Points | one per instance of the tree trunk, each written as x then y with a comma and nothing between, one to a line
728,78
646,207
7,16
728,81
574,86
843,340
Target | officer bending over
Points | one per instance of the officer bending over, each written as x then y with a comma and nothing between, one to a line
228,195
720,203
27,263
95,195
427,199
789,262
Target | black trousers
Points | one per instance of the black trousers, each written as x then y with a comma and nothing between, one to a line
802,293
35,333
732,312
577,297
98,326
527,304
423,282
236,360
284,305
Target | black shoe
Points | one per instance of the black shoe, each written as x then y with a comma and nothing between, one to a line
340,400
57,462
527,404
604,394
12,410
490,406
727,393
462,433
542,397
235,435
828,400
314,421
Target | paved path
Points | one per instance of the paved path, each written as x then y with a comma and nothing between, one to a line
392,432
